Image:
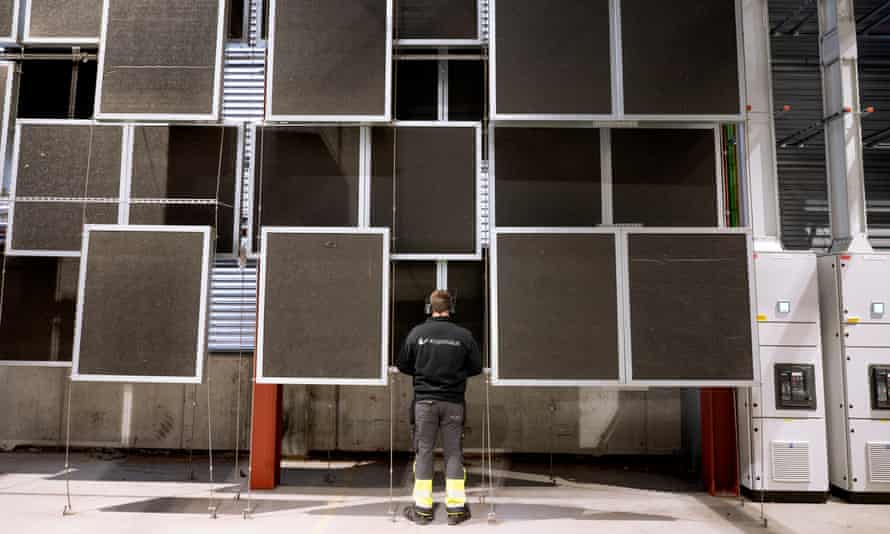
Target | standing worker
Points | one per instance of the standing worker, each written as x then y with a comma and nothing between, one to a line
440,356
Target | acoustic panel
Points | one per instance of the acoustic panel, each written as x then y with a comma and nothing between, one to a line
690,307
68,161
220,218
37,316
55,227
557,308
324,299
143,303
433,185
467,283
177,75
547,177
306,176
656,170
552,57
8,18
680,58
185,162
413,281
330,59
63,21
437,19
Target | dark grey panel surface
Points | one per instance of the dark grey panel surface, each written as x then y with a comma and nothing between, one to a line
466,282
160,57
221,218
141,304
548,177
557,307
323,306
329,58
185,162
7,10
664,177
56,226
66,18
437,19
37,319
413,281
553,57
306,177
680,57
69,161
690,309
435,188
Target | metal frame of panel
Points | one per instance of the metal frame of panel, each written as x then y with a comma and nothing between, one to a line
203,314
12,38
752,312
718,160
127,179
364,178
221,35
32,363
384,301
606,163
477,254
270,70
7,121
14,172
448,42
617,86
621,300
66,40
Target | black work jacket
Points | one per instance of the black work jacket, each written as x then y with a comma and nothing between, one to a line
440,355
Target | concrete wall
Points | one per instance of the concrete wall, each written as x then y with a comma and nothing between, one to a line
562,420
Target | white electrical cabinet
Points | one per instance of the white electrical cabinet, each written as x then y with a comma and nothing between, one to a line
783,449
855,294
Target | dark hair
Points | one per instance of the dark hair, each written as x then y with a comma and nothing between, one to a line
440,301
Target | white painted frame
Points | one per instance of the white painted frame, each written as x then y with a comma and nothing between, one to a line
606,162
270,73
221,35
127,179
382,380
617,81
7,121
27,38
203,312
752,312
477,253
448,42
13,36
10,251
621,300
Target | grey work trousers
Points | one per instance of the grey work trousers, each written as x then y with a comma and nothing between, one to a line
430,417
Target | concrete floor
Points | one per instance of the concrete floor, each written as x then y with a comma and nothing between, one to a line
112,492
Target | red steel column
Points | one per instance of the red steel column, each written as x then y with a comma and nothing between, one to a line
265,437
720,463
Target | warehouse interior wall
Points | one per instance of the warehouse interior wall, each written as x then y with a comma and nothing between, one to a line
594,421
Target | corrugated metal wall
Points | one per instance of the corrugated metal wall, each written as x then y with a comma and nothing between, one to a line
874,87
797,82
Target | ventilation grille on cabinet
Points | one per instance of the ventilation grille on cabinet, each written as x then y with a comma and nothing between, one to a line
791,461
878,461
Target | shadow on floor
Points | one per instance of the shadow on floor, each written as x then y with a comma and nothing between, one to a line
504,513
657,473
183,505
